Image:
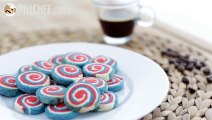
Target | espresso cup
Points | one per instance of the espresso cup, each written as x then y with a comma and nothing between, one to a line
119,17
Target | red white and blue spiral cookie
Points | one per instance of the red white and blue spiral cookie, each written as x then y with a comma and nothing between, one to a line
43,66
57,59
60,112
99,70
97,82
82,97
52,94
116,84
66,74
30,81
76,58
28,104
105,60
25,68
108,101
8,86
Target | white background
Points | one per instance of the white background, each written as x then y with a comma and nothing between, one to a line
192,16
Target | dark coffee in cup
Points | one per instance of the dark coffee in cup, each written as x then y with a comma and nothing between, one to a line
118,18
117,23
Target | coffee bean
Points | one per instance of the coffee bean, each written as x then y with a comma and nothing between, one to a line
181,68
209,78
189,66
184,59
169,50
192,89
206,71
178,61
163,53
194,61
199,64
176,64
183,64
202,63
171,61
185,80
172,53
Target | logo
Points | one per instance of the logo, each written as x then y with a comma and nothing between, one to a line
9,9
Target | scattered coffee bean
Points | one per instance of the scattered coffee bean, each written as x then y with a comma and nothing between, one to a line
172,54
181,68
202,63
199,64
183,62
176,64
163,53
206,71
169,50
171,61
178,61
192,89
185,80
189,66
209,78
194,61
184,59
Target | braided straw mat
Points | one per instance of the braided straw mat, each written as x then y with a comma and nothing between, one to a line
179,104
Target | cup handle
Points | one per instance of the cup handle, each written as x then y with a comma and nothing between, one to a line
151,15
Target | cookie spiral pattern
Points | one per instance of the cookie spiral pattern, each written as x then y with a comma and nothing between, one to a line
53,91
8,81
66,74
25,68
108,101
43,66
97,82
57,60
76,58
28,104
8,86
98,70
60,112
53,94
116,84
82,97
30,81
105,60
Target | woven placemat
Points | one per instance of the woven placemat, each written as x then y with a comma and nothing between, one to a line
188,68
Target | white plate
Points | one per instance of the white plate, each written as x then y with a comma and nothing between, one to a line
146,83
